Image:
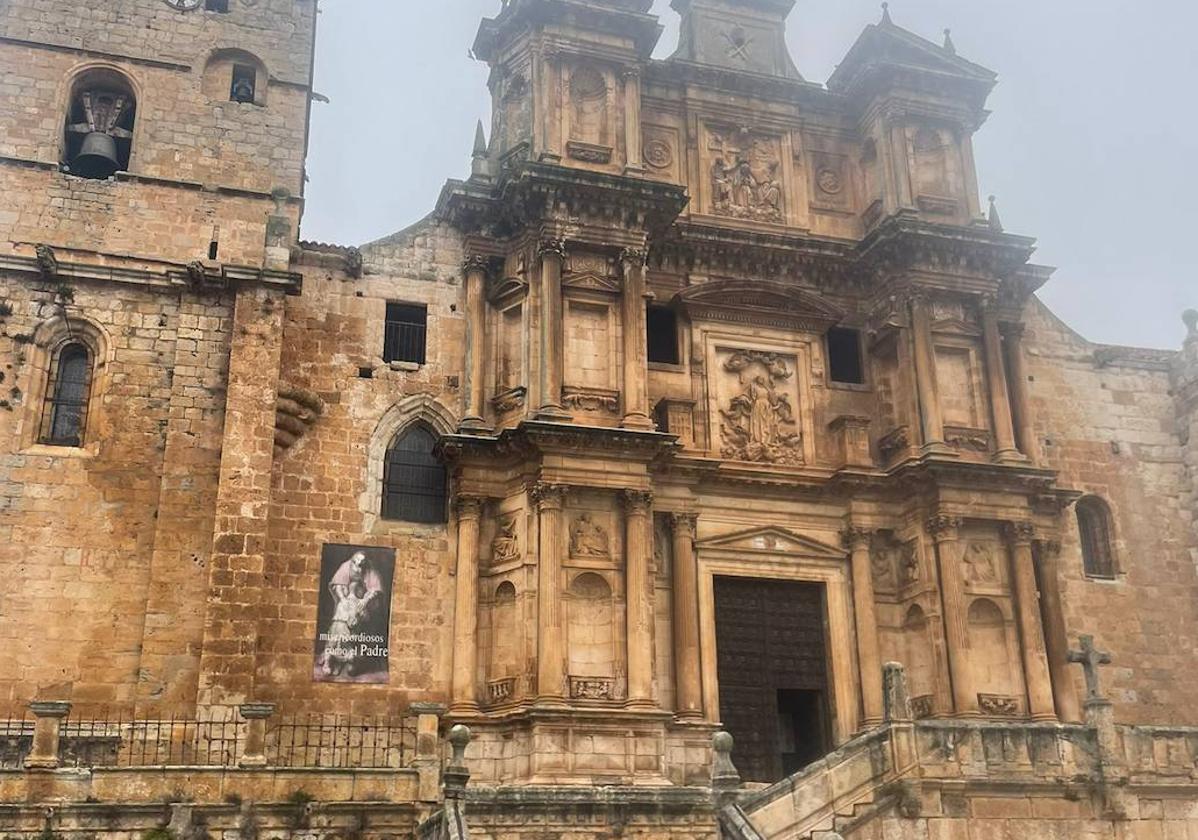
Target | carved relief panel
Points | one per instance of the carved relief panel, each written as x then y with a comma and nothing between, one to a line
514,111
745,174
936,169
662,151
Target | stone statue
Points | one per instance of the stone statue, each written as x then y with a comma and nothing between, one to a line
588,539
505,547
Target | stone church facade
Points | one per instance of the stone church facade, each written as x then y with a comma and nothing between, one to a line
702,466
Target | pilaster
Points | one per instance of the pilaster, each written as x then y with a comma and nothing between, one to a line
688,688
946,531
858,541
475,271
636,366
551,676
638,546
552,253
465,617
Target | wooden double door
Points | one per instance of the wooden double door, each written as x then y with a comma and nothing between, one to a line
772,664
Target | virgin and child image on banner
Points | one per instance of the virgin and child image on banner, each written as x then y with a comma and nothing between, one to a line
353,616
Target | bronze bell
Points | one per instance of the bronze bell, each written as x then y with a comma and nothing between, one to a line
97,156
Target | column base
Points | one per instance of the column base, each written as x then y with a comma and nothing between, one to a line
634,170
550,702
972,713
638,421
938,447
463,710
1010,456
253,762
1044,717
689,718
871,723
553,413
32,763
640,705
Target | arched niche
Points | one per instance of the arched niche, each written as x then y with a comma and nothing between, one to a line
592,638
99,121
232,75
507,637
917,653
993,656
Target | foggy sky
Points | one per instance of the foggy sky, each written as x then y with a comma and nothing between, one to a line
1091,147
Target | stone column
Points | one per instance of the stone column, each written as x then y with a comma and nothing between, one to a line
638,582
465,616
636,366
1035,661
549,499
996,376
1055,637
632,120
688,680
47,734
1021,401
553,256
475,270
253,751
931,420
945,530
869,661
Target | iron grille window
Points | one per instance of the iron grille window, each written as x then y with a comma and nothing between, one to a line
67,391
662,334
414,483
406,333
845,362
1093,522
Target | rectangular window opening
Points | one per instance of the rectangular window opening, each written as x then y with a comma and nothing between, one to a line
406,333
245,83
662,335
846,363
221,6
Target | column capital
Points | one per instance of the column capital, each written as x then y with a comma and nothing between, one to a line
551,247
685,524
637,501
547,496
1020,533
943,527
630,72
637,256
467,506
1012,329
1051,548
476,263
856,536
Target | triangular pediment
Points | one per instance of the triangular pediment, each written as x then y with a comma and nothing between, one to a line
771,540
887,45
759,301
956,326
592,282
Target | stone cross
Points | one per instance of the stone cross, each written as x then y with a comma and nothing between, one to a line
1090,657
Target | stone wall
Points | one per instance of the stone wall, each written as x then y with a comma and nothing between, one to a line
1107,421
93,538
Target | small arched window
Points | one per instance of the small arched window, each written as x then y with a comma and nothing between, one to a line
1094,526
99,125
64,415
414,481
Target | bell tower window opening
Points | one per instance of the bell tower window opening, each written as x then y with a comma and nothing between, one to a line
64,415
846,363
221,6
405,333
244,85
99,126
661,331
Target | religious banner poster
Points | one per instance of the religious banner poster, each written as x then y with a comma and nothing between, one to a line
353,615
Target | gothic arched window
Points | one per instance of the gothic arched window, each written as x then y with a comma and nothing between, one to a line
1094,525
414,481
64,415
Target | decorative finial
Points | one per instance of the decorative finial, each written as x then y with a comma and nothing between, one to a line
480,141
886,13
949,46
1190,317
995,221
723,772
457,774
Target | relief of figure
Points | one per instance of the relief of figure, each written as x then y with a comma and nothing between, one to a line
979,564
588,539
882,564
757,423
505,547
746,184
721,185
769,193
909,564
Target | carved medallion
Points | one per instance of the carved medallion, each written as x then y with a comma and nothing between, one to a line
760,424
829,181
658,154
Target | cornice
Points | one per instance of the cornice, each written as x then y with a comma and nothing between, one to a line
171,276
